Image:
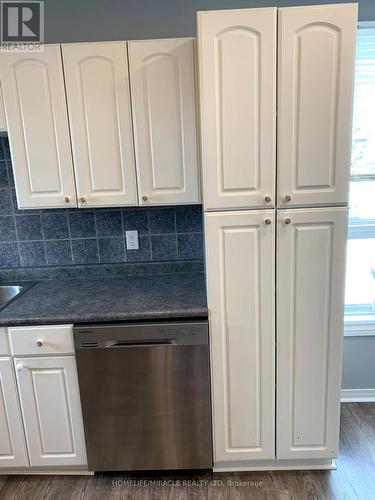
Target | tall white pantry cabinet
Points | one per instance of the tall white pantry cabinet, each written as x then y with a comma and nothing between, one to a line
276,91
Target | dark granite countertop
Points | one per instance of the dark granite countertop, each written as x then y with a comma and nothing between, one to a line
128,298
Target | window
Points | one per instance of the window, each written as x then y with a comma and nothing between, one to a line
360,273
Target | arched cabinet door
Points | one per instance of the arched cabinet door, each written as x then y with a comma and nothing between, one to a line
237,68
35,106
162,80
97,87
315,88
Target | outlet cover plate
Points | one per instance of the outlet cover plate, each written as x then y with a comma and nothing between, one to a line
132,240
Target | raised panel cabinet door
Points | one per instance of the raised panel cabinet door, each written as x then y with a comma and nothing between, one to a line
237,68
162,76
13,451
315,99
97,87
51,410
35,107
310,313
240,274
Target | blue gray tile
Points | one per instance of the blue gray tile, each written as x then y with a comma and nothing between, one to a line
111,250
4,148
66,236
108,223
3,175
17,210
136,220
162,220
85,251
9,256
10,173
189,219
58,252
82,224
190,246
6,206
32,253
29,227
55,225
164,247
7,228
144,252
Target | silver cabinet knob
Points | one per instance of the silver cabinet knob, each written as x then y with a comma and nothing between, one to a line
67,199
267,198
82,199
268,221
144,198
40,343
287,197
287,220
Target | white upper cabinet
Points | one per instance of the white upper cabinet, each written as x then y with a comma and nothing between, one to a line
163,96
12,442
3,124
237,67
97,86
241,280
310,312
35,106
316,61
51,409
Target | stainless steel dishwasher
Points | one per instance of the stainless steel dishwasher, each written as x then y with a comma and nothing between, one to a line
145,391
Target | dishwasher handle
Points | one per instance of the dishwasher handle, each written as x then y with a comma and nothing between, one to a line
128,343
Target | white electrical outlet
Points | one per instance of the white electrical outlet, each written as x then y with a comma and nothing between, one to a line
132,240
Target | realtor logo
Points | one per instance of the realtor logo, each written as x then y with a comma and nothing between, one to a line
22,26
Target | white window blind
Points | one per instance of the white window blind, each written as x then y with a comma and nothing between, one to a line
363,155
360,273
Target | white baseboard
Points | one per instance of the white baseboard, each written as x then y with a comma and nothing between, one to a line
357,395
265,465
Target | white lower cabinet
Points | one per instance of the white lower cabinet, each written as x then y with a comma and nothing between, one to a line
240,273
13,452
51,408
310,311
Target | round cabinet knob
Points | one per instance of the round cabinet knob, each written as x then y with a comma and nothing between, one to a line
19,366
40,343
267,198
287,197
144,198
83,199
268,221
67,199
287,220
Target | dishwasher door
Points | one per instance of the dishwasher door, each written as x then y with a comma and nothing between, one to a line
145,392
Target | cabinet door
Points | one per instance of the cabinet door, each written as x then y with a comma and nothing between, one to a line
35,106
237,67
163,95
240,273
51,410
310,313
316,68
12,442
3,124
97,86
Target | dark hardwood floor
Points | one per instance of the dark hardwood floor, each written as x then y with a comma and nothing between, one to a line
353,479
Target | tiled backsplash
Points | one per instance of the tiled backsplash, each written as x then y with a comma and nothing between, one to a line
88,236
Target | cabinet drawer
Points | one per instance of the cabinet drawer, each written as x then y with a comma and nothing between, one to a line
40,340
4,344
